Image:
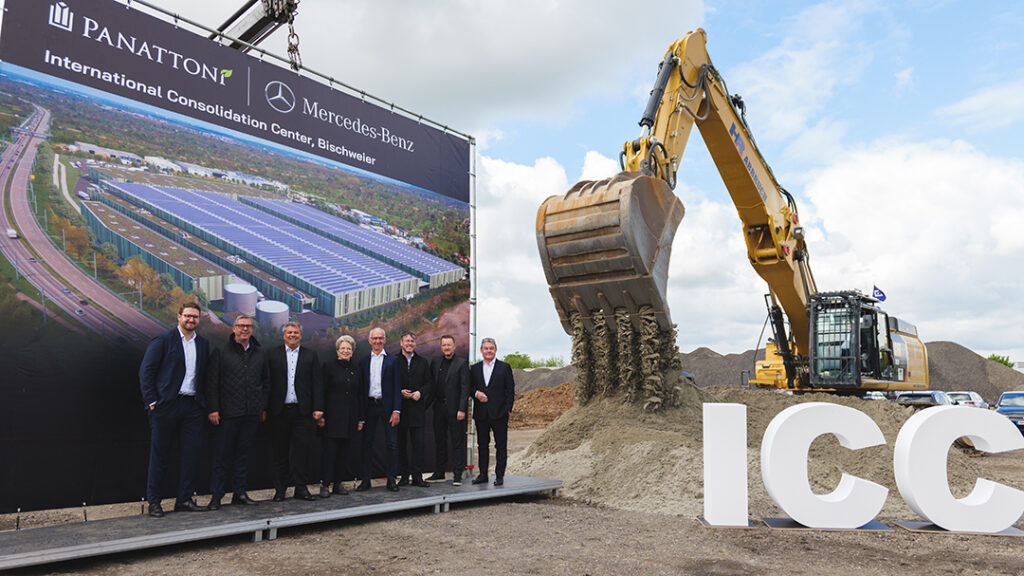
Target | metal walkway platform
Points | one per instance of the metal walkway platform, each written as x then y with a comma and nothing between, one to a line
34,546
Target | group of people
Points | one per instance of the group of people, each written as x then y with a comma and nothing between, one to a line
237,386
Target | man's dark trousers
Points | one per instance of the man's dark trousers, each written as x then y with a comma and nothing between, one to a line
376,415
292,435
181,418
235,439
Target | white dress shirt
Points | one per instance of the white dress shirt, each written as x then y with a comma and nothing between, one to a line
488,368
376,367
293,361
188,385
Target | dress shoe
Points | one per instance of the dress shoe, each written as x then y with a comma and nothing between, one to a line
156,510
457,481
302,493
189,506
480,480
214,503
280,495
392,487
419,482
499,481
242,499
363,486
435,478
339,489
325,492
403,481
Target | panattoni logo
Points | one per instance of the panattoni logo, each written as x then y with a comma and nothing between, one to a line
61,16
279,96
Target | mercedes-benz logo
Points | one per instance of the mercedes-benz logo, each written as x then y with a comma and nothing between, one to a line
279,96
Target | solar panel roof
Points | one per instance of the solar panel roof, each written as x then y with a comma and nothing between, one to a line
409,256
328,265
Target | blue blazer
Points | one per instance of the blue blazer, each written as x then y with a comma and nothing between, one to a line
390,383
163,368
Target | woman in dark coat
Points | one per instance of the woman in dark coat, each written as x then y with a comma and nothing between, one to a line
342,380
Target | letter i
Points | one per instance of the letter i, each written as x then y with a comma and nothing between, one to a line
725,464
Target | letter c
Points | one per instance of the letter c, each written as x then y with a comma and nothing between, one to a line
919,463
787,440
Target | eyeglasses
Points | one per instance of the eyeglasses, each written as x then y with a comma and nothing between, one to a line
193,316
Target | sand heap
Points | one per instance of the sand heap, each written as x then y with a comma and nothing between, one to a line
613,453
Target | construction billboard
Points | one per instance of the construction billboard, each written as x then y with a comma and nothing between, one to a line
146,165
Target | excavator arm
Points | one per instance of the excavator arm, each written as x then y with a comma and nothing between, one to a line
605,245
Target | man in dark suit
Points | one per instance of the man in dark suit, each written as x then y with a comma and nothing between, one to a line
237,385
495,391
383,391
296,403
451,404
171,379
417,387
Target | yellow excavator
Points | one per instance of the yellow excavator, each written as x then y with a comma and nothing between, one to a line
605,248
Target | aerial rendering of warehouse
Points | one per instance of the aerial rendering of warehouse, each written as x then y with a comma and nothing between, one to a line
331,266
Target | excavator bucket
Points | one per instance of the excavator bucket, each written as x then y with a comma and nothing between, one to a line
605,247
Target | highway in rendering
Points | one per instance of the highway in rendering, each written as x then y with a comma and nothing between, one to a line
67,285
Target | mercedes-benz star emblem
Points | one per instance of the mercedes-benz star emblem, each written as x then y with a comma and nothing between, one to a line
279,96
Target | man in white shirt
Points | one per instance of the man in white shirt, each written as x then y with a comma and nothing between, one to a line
494,391
382,405
171,378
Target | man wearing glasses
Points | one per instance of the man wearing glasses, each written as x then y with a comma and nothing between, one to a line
237,386
171,380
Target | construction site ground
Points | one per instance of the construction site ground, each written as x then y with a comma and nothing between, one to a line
633,491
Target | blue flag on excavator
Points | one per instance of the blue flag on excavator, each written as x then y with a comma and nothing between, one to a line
878,294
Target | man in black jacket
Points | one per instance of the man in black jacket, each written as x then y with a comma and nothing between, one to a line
417,386
495,391
296,403
451,404
236,397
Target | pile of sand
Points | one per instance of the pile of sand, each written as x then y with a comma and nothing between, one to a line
539,407
612,453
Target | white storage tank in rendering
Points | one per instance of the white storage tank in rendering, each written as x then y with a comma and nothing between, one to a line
271,315
240,298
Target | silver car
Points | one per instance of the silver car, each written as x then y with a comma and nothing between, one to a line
968,398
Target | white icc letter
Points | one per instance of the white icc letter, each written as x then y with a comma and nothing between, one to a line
787,440
725,464
919,461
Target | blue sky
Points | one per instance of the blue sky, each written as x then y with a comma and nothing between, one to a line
892,123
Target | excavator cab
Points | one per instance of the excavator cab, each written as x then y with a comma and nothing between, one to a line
850,341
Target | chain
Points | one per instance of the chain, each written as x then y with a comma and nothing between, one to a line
293,43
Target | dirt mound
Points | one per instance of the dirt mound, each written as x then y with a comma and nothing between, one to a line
709,368
533,378
612,453
539,407
953,367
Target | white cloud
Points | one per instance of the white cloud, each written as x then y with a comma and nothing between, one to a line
790,84
990,108
905,79
937,226
465,63
515,307
597,166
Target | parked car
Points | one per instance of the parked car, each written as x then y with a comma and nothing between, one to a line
924,398
967,398
1011,404
874,395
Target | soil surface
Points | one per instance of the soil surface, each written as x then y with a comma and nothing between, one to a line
632,492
